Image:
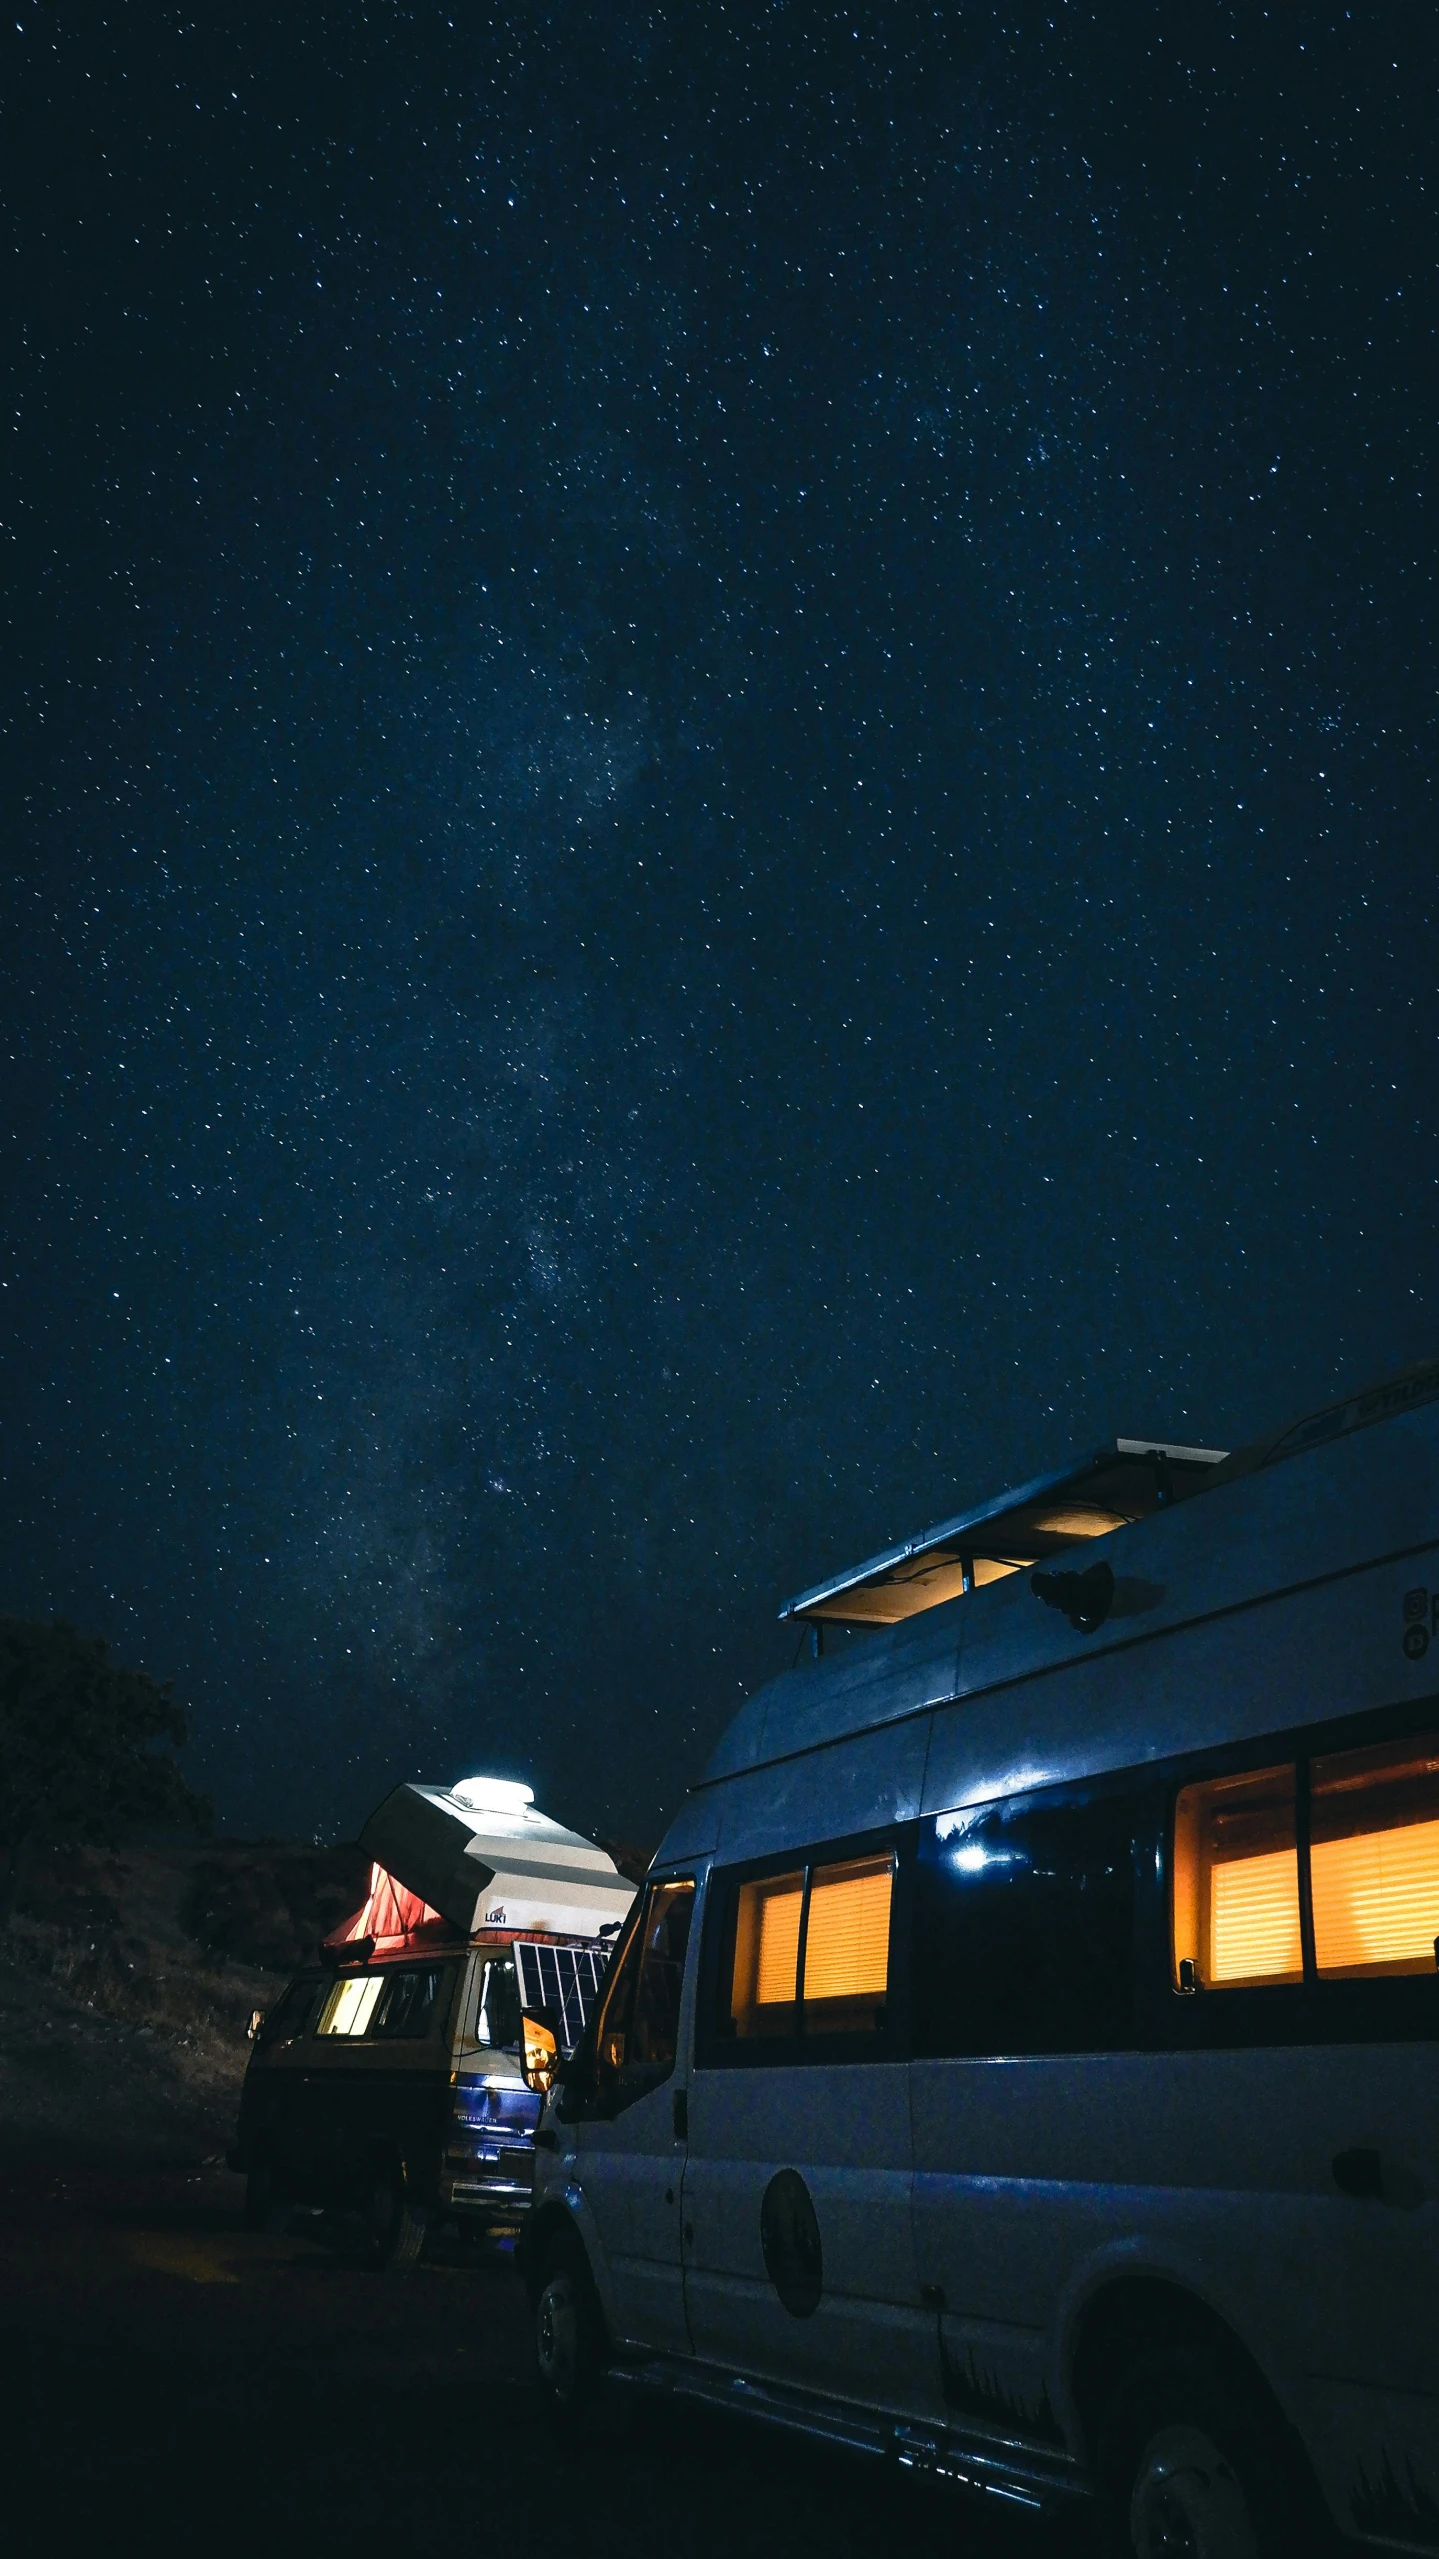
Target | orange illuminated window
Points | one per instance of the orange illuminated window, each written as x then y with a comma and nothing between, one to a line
766,1955
846,1947
1374,1859
839,1916
1236,1882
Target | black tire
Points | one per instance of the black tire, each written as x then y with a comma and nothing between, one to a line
267,2207
394,2227
570,2345
1191,2462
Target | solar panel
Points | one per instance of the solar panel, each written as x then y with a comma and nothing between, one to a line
563,1982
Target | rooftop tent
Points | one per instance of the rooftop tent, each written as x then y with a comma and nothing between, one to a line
389,1918
1125,1481
481,1855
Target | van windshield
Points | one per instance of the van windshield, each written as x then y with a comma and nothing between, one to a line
290,2016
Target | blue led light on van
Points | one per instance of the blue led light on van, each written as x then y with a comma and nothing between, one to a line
977,1861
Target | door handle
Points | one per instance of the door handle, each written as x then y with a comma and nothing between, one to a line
1358,2172
680,2113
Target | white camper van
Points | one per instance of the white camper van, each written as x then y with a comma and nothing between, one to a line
1021,2060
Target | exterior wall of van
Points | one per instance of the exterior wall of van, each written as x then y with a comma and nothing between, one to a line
1022,2062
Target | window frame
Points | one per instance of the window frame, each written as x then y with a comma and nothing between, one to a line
439,2015
1320,2009
1284,1763
715,2048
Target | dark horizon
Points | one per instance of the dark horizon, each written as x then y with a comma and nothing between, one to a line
720,751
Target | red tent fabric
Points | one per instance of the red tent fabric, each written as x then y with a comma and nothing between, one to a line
390,1914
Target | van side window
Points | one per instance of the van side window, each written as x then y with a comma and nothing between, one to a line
1236,1883
351,2004
764,1983
407,2006
1374,1860
639,2026
809,1953
1024,1927
846,1947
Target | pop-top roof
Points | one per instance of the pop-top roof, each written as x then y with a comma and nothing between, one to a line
1128,1480
483,1861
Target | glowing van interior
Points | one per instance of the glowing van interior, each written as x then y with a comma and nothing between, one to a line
1374,1859
1373,1870
811,1951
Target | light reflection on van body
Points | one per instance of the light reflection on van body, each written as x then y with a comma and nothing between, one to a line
1022,2061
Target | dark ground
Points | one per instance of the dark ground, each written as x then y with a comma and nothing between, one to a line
173,2383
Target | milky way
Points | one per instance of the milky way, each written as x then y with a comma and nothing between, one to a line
718,783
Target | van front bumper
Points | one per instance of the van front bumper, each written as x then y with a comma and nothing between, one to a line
503,2181
486,2195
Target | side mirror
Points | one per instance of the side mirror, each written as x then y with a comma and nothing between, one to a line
539,2054
257,2019
577,2083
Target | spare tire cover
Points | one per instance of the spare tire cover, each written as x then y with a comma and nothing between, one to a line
789,2236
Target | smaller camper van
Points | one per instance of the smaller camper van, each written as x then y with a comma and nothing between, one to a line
401,2078
1021,2063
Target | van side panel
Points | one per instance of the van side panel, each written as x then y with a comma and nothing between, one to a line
1039,2180
1328,1651
867,1682
860,1784
693,1832
845,2128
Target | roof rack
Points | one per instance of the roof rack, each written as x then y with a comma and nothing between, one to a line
1126,1480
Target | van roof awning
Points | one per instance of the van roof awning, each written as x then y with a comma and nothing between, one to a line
1128,1480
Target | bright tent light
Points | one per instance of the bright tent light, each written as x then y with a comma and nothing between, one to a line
492,1795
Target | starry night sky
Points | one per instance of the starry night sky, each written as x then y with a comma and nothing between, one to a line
719,729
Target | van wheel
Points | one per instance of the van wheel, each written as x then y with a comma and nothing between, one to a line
267,2207
569,2335
1189,2467
394,2229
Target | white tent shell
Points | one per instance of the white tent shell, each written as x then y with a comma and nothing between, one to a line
483,1863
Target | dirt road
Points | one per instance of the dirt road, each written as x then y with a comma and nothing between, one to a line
173,2383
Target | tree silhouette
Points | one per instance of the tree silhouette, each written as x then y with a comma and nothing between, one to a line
82,1746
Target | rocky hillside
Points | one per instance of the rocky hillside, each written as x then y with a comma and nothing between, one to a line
127,1978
